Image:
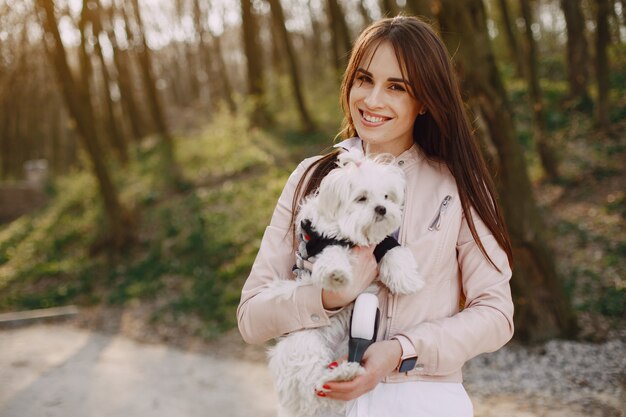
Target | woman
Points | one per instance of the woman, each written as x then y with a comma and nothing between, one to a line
400,96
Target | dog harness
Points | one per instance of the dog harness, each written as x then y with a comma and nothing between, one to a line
311,243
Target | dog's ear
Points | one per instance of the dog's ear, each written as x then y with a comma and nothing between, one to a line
351,157
398,183
334,189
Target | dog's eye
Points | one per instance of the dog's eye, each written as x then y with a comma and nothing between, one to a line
386,196
361,199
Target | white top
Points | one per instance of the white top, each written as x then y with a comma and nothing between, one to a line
413,399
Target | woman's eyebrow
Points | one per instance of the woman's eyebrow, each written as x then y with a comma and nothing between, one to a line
392,79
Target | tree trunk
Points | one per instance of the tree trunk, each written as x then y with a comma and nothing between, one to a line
79,105
577,51
340,36
114,132
547,155
614,22
422,8
217,78
172,175
296,84
603,39
125,83
123,62
542,308
227,89
388,8
365,14
317,47
515,53
254,65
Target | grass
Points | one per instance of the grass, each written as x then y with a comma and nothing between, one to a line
194,248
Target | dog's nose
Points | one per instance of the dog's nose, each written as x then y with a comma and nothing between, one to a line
380,210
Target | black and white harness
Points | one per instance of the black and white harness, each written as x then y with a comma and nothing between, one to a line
311,243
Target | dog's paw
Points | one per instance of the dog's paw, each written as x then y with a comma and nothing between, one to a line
336,280
332,269
399,272
346,371
332,278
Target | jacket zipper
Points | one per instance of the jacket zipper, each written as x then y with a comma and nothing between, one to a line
436,223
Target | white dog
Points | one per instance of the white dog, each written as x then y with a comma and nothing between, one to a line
357,204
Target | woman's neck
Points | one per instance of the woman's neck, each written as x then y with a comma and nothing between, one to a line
393,149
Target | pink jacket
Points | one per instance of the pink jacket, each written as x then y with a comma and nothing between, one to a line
447,255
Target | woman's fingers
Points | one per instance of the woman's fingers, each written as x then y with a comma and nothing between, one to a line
364,272
348,390
364,266
380,360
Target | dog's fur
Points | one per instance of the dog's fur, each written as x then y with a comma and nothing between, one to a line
359,201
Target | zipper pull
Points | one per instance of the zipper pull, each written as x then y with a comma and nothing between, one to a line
436,223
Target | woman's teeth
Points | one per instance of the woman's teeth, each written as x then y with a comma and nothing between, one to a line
373,119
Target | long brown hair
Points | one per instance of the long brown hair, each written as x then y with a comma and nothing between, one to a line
443,133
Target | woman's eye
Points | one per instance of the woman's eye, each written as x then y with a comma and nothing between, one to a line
397,87
364,79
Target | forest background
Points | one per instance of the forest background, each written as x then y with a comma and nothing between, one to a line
143,145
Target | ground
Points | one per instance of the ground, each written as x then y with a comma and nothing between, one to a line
65,370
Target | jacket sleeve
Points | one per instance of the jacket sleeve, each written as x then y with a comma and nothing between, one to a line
272,304
486,322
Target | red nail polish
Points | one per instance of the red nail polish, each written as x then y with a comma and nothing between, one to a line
321,394
333,365
325,387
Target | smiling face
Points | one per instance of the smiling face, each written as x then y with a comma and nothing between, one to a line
381,108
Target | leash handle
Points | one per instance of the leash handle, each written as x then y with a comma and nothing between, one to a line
363,326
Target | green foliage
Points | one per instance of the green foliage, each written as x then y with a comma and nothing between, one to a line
194,247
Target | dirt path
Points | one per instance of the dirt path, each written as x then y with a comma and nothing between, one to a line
59,370
63,371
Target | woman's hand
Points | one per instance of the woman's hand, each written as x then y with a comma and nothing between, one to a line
364,272
380,359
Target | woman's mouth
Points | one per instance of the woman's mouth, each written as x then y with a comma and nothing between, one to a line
371,119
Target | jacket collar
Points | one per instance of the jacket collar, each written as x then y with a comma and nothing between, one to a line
404,160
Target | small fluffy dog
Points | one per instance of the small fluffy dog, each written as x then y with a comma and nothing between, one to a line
358,204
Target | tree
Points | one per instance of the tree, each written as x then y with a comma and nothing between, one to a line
209,49
603,38
364,12
279,22
315,41
388,8
542,308
422,8
171,171
78,103
547,154
514,50
124,80
577,51
254,64
114,132
341,42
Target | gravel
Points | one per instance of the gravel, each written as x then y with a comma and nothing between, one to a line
590,375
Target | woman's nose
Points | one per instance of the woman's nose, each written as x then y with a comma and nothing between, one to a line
374,98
